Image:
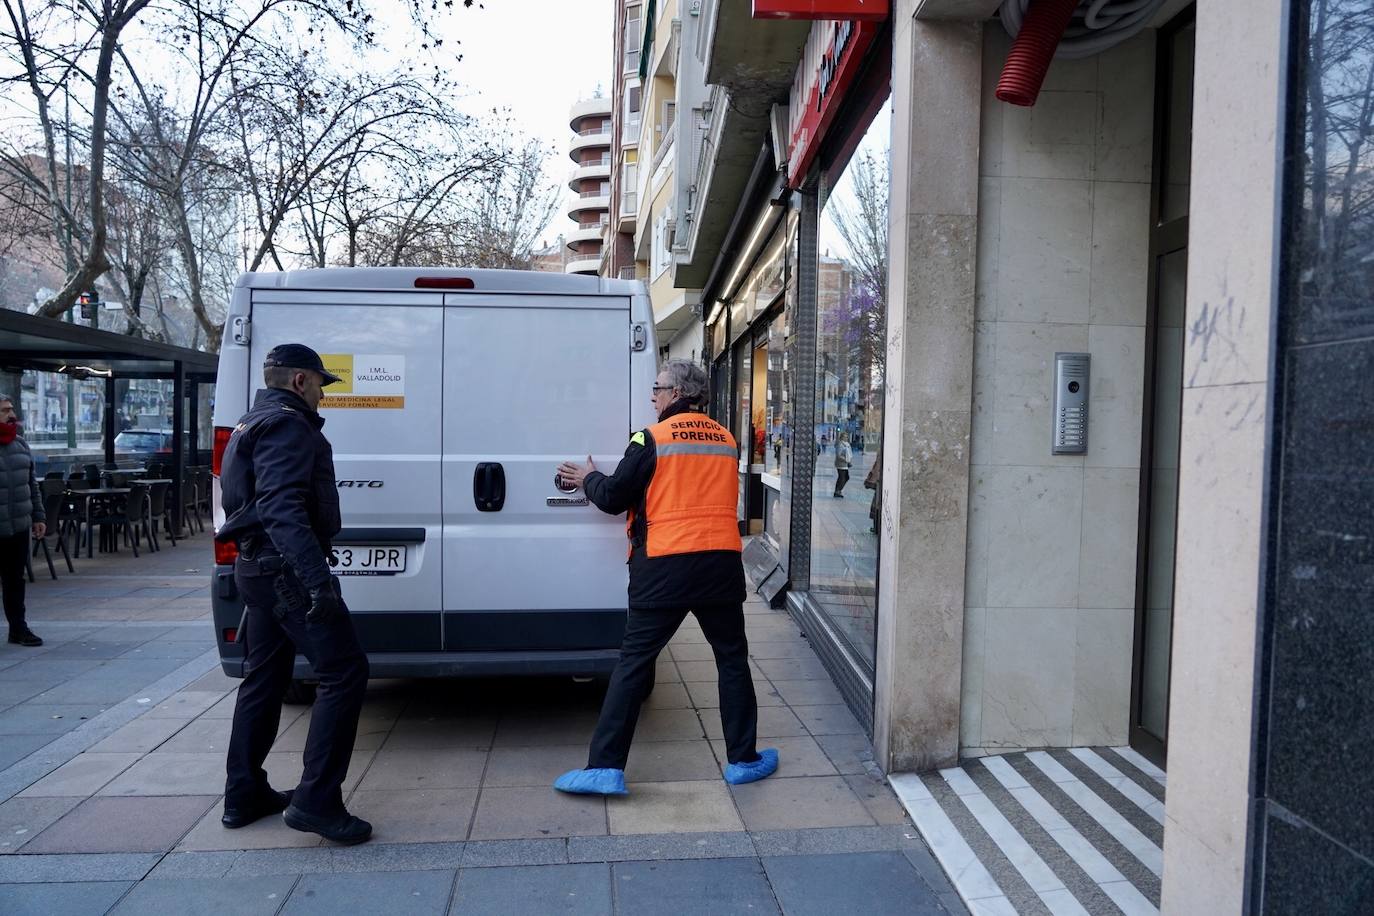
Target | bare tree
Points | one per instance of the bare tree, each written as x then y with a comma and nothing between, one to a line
860,216
510,210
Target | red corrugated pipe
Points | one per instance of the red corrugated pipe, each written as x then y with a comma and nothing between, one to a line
1033,49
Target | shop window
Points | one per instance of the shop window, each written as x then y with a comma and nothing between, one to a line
851,340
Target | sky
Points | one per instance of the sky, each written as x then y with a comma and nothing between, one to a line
537,58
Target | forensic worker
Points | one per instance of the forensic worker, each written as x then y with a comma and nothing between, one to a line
282,508
679,482
21,515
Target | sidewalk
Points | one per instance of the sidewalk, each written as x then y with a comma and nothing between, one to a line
119,806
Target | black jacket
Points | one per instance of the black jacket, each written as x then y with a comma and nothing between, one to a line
277,485
687,580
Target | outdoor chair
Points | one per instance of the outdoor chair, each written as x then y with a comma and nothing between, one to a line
108,514
138,508
92,474
52,508
189,510
54,475
159,511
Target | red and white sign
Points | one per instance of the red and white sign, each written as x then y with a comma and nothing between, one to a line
830,62
875,10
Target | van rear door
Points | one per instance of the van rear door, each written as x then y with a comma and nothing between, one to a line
530,381
384,423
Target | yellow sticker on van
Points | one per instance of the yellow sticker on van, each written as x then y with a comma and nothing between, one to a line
367,381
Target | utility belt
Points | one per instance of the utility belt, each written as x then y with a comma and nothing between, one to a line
257,559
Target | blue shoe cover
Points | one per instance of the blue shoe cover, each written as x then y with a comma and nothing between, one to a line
593,782
737,774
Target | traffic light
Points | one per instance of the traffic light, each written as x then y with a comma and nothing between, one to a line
89,302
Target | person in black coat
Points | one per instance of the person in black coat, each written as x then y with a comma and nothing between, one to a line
281,505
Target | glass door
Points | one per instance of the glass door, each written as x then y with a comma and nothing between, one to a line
1163,391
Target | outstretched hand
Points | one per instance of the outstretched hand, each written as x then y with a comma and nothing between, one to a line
574,473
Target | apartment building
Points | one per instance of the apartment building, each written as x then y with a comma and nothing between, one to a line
1074,349
590,183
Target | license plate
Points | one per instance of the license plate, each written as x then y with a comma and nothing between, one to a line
367,560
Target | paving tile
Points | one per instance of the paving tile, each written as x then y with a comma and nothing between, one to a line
706,695
46,718
171,774
214,680
191,702
207,897
671,695
668,725
849,753
425,768
803,801
438,732
16,747
671,761
792,669
87,648
565,889
774,722
386,857
810,692
201,736
284,768
58,868
75,899
655,846
525,730
22,819
788,648
415,815
698,671
532,766
145,824
13,692
693,652
828,720
209,834
878,798
872,883
385,893
800,756
510,813
671,807
490,853
195,864
702,887
81,776
224,707
141,736
827,840
372,733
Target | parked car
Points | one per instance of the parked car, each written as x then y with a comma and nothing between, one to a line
147,442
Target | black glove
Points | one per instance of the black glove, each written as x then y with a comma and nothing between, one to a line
324,603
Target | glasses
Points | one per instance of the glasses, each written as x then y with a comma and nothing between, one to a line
664,387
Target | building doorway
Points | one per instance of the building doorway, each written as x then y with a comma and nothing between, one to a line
1163,401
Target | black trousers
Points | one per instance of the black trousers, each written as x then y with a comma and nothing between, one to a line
841,478
646,633
273,635
13,551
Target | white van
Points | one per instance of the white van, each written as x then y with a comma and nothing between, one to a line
462,391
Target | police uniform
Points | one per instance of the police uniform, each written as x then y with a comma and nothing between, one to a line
679,484
282,508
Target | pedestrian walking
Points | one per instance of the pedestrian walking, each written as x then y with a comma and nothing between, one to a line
282,508
678,481
843,457
21,516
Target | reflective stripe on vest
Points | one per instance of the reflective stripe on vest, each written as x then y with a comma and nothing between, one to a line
693,497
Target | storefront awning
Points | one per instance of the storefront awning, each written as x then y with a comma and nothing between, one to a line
46,345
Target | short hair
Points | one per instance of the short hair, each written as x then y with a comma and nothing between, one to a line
691,381
278,376
4,397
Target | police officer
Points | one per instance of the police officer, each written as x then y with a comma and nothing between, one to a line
679,483
282,508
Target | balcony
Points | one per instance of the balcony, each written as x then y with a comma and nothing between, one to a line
586,232
588,108
593,202
589,140
596,171
585,265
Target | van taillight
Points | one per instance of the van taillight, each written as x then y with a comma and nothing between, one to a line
443,283
225,554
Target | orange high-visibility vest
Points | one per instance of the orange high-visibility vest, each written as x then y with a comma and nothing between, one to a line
693,496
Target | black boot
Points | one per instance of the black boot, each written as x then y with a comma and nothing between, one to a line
25,637
236,816
342,828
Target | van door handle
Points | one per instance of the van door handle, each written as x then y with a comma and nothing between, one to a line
489,486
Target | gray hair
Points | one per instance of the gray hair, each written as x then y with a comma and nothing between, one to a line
690,380
278,376
4,397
